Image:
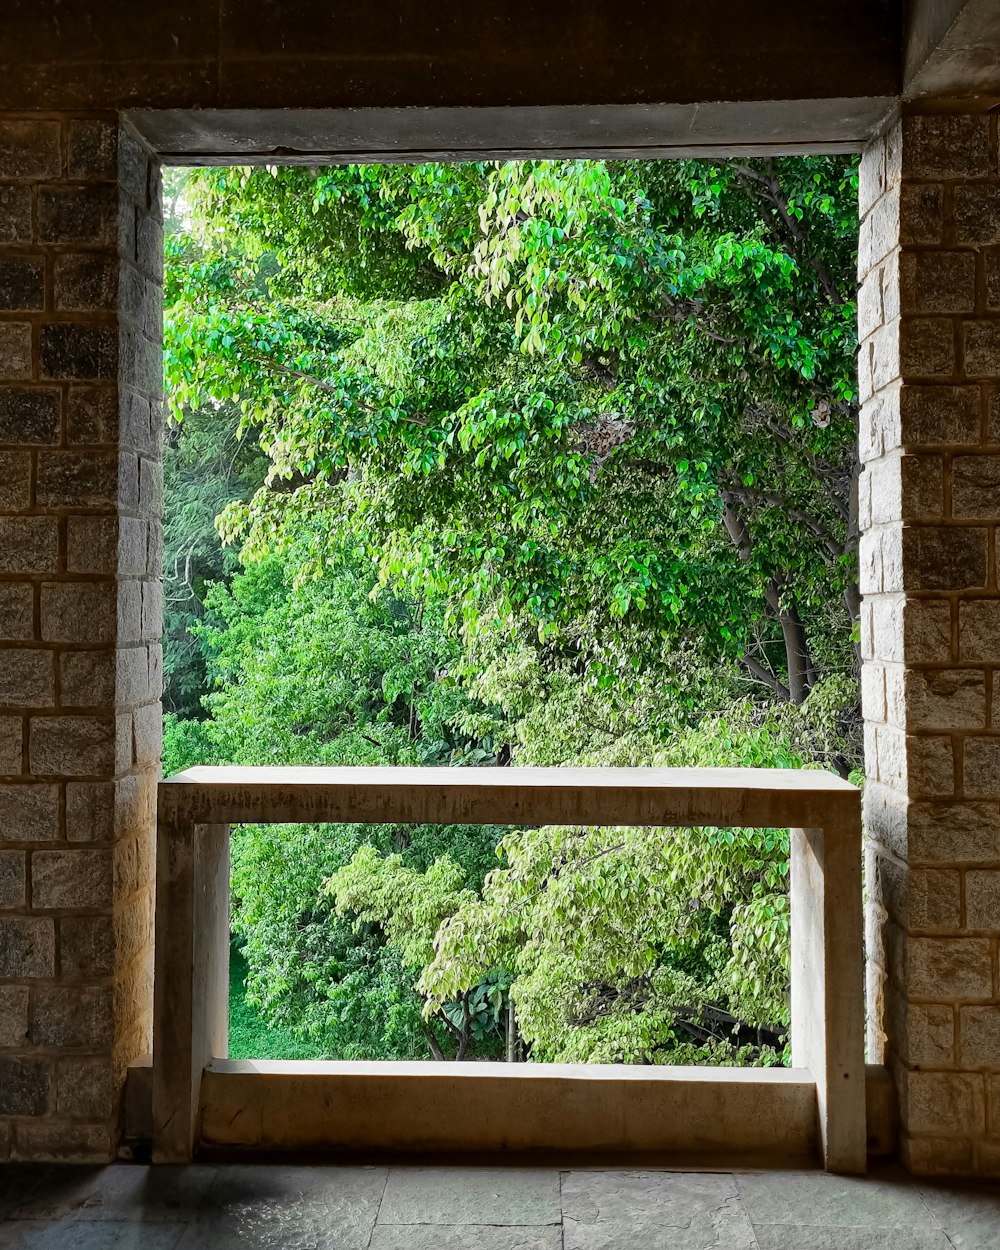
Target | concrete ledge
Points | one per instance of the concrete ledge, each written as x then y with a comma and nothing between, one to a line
496,1107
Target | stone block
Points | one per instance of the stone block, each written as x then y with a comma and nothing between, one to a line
921,214
85,1088
993,280
938,282
981,767
79,351
946,145
873,692
979,1030
919,899
937,1156
152,610
27,678
958,832
22,283
15,213
149,247
27,947
92,415
878,420
77,479
87,679
890,756
71,879
870,316
975,487
132,676
133,546
982,902
13,879
64,1141
933,416
977,213
86,282
72,746
879,234
90,811
30,149
884,347
953,698
949,968
981,347
11,740
147,729
87,214
923,1034
83,612
942,558
129,611
979,630
86,946
150,486
29,544
927,347
24,1086
92,150
13,1015
71,1016
15,481
133,929
15,351
16,611
944,1103
92,544
29,812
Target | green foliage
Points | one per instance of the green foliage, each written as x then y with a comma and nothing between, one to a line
556,463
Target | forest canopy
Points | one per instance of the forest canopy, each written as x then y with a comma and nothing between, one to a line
540,462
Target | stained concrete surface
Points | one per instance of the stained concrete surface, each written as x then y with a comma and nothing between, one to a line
278,1207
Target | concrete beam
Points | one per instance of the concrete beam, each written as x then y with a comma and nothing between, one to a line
329,136
950,50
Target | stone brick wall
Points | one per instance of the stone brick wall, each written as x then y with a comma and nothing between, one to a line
929,373
80,664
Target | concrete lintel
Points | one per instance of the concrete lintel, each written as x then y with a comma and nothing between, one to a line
331,136
950,50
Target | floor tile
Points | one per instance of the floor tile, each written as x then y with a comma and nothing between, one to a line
524,1196
287,1208
465,1237
17,1181
797,1237
654,1211
88,1235
819,1200
970,1217
135,1193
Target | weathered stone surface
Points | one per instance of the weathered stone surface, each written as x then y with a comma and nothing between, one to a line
24,1086
977,213
979,630
946,145
975,486
77,479
22,283
82,612
28,544
13,1015
12,879
980,1033
27,678
939,558
29,415
939,415
80,351
949,967
15,213
927,348
27,946
15,351
93,150
85,1088
92,544
982,903
951,698
820,1200
11,741
480,1195
86,945
944,1103
74,878
15,481
86,281
69,1016
29,812
72,746
16,611
92,415
981,343
30,149
921,213
938,282
90,811
68,1141
982,767
87,214
87,679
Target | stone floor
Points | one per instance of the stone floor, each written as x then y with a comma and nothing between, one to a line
258,1207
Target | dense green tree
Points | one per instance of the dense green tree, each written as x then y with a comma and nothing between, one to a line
598,420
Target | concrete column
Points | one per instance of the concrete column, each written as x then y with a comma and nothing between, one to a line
929,375
80,665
